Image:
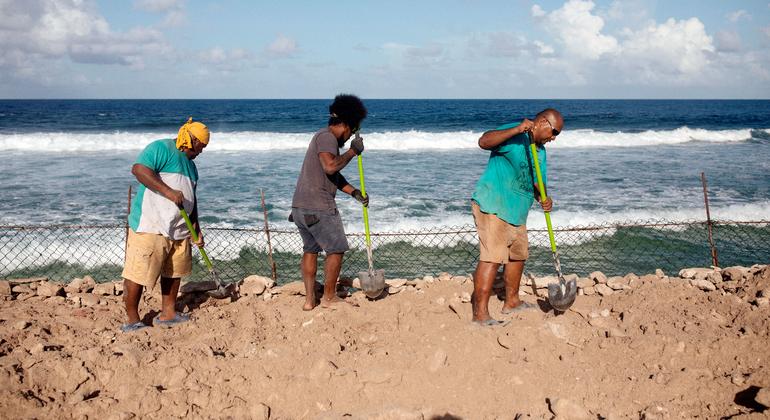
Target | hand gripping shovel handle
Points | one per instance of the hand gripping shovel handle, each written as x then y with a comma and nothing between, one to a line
195,237
533,147
366,213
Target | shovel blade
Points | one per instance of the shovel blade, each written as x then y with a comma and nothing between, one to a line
222,291
561,296
372,282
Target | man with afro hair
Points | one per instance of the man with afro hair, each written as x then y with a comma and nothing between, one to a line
314,209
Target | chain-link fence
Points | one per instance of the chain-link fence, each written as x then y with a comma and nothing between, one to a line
63,252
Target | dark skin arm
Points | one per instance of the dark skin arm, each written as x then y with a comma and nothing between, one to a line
151,180
493,138
332,164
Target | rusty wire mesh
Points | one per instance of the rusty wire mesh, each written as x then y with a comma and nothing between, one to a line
63,252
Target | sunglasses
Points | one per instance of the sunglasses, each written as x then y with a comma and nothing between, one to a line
554,132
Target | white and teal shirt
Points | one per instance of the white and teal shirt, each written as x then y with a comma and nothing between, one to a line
154,213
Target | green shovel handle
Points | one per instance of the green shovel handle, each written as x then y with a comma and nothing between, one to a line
542,191
363,191
195,237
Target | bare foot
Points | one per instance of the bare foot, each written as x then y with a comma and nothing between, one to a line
334,302
521,306
309,305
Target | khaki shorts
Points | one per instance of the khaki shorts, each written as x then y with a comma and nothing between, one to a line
499,242
149,256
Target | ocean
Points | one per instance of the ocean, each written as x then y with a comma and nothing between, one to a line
69,161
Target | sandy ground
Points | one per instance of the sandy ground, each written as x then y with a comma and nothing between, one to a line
655,347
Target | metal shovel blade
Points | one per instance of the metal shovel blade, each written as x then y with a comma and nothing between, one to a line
372,282
561,296
221,291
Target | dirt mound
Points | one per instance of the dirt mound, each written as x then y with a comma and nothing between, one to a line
647,346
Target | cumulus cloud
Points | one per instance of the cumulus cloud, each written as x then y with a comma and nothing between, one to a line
738,15
579,30
42,31
282,47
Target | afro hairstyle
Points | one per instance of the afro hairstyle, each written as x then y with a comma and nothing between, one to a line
348,109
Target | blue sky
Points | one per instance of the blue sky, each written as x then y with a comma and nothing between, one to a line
393,49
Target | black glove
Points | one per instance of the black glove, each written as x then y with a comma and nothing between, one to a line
360,197
357,145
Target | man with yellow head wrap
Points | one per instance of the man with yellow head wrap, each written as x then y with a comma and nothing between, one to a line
158,240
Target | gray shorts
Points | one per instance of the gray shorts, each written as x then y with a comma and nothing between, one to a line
321,230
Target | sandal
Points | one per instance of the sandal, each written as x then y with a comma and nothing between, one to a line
523,306
177,319
138,325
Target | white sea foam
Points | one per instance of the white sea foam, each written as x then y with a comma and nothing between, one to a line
388,140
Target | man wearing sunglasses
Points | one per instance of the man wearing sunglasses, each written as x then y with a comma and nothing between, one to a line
500,204
314,210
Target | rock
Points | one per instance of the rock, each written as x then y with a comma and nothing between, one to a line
267,296
654,412
605,312
395,282
714,277
564,408
729,286
88,284
603,289
650,278
695,273
88,299
585,282
543,282
589,291
255,285
763,397
617,283
429,279
465,297
438,361
48,289
259,412
762,302
459,279
394,290
735,273
293,288
571,276
598,277
737,379
5,288
104,289
20,325
444,277
631,278
74,285
703,284
118,287
418,284
659,273
616,332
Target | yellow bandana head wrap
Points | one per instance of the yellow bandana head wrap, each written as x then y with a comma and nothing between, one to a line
197,129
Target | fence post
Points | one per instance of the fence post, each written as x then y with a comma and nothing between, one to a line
128,213
709,224
269,244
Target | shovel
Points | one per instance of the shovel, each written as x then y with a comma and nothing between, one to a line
221,291
562,295
372,281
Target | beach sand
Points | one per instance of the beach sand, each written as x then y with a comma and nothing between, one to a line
654,347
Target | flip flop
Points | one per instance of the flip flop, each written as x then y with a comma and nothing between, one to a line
523,306
126,328
177,319
490,323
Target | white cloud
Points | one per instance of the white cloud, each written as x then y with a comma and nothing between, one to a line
738,15
728,41
537,11
174,10
673,48
765,30
579,31
282,47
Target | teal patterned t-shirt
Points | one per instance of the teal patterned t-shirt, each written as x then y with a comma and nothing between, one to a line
506,186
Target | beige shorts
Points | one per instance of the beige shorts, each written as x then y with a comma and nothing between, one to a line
499,242
149,256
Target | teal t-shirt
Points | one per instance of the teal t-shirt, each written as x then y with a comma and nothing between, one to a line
153,213
506,186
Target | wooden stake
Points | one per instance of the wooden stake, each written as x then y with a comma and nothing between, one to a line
273,269
709,224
